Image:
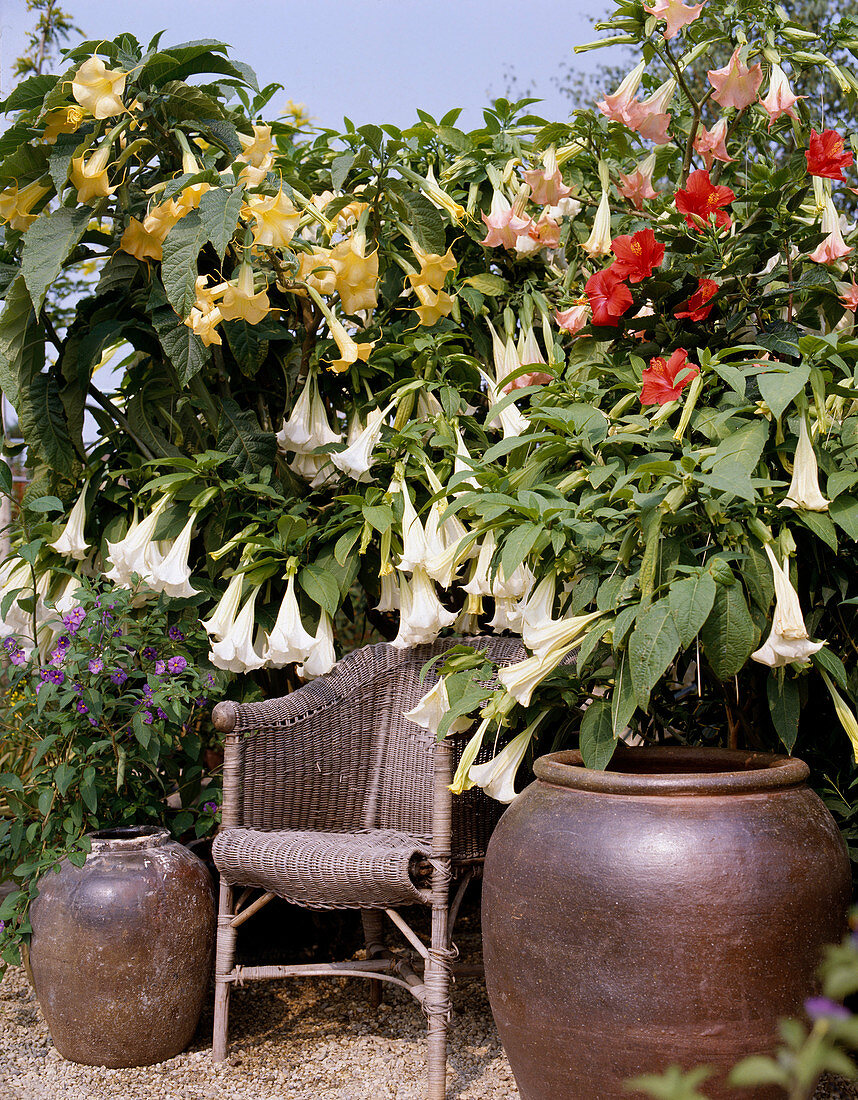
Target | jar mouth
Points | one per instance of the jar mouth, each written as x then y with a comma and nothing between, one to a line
128,838
661,770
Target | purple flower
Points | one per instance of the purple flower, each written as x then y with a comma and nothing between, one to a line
176,634
59,654
160,668
147,692
53,675
821,1008
177,664
119,677
147,718
200,701
81,707
9,644
73,620
150,653
91,720
19,657
210,680
162,714
210,807
2,927
96,664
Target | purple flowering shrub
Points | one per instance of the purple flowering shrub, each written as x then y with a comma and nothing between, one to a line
112,708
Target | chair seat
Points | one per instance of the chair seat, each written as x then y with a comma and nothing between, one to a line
376,869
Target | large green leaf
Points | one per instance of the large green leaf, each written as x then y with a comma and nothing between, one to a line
623,703
729,634
239,435
43,425
690,602
321,587
15,333
779,388
179,271
597,741
652,646
784,706
742,448
46,244
29,93
219,210
184,349
844,512
425,221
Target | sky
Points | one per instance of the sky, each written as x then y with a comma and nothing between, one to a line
373,60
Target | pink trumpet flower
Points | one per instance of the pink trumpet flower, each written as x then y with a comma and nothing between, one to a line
710,144
546,184
833,247
637,186
617,106
650,118
675,14
504,225
736,85
780,99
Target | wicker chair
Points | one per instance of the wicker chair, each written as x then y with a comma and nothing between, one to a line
335,800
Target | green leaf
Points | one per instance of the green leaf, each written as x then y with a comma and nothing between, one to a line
47,243
43,425
340,168
240,435
14,337
321,587
690,602
345,544
623,704
181,251
186,101
46,504
425,221
729,634
652,646
784,706
219,210
517,545
824,658
844,512
6,482
821,525
757,575
379,516
63,775
731,375
759,1070
492,285
779,388
597,741
29,93
742,448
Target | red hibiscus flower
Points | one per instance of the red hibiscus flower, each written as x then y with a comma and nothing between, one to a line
826,155
664,380
637,256
698,306
701,199
609,297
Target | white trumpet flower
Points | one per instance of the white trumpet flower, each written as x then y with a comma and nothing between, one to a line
468,621
536,607
497,776
599,241
788,639
461,780
542,638
804,491
137,550
462,464
356,460
72,541
288,642
415,549
422,616
307,426
479,583
236,651
15,575
389,599
171,573
507,615
506,360
223,617
66,598
431,709
322,656
522,678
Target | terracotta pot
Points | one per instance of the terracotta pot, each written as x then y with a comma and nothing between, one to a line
668,910
121,949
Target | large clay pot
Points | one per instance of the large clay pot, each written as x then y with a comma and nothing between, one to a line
121,949
668,910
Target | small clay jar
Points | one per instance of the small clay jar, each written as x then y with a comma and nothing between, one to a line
121,949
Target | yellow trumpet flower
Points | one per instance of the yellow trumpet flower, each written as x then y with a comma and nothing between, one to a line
433,268
16,204
257,150
275,219
145,239
324,281
349,350
356,274
240,302
90,177
434,304
204,323
99,89
64,120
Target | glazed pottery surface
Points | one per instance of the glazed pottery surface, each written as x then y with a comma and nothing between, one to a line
666,911
121,949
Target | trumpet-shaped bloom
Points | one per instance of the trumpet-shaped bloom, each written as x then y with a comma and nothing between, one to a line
711,144
275,219
307,427
675,14
609,297
172,573
434,304
434,268
618,106
317,271
135,552
316,469
529,354
537,606
99,89
289,642
256,150
63,120
544,233
463,463
507,615
223,617
506,362
440,198
833,248
72,541
546,184
205,324
422,616
240,302
479,583
430,711
849,298
637,186
237,651
827,155
699,305
701,200
650,118
736,85
323,656
637,256
16,204
350,351
522,678
461,781
572,320
497,776
780,99
804,489
145,239
415,549
545,636
788,640
356,459
665,379
15,576
389,596
90,176
599,241
504,225
847,720
356,274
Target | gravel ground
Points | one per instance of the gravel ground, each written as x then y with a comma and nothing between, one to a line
305,1039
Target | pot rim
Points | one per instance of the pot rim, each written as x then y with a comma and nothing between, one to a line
128,838
681,769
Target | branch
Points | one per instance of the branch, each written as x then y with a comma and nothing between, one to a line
119,417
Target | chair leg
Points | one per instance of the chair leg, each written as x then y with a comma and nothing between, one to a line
374,935
224,958
437,1005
